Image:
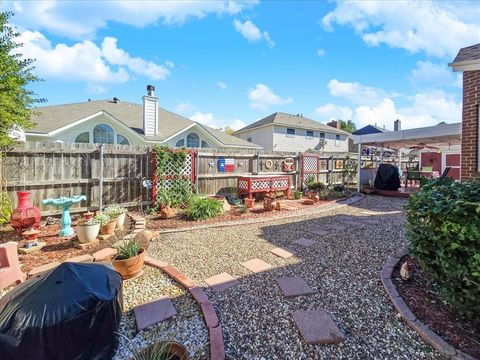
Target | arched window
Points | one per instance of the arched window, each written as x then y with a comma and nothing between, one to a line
205,144
83,138
193,141
122,140
180,143
103,134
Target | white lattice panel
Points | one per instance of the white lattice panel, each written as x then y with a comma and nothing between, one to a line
260,184
185,170
310,163
280,183
242,184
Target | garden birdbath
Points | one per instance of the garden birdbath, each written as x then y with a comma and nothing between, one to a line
65,203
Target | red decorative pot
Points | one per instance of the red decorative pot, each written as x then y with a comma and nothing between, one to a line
25,215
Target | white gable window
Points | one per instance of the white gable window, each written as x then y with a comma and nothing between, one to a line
193,140
290,132
180,143
337,140
122,140
103,134
83,138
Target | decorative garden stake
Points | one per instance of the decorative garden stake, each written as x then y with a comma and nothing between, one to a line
65,203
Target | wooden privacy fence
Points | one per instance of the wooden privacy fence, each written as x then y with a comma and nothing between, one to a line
57,169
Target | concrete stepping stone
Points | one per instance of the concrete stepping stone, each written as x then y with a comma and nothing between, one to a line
294,286
305,242
317,327
221,282
153,312
320,232
256,265
282,252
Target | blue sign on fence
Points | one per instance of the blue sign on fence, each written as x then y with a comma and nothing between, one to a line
221,165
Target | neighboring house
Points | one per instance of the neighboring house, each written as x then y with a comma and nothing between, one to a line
468,61
369,129
286,132
117,122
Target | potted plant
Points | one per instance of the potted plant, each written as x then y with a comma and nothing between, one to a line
107,225
129,259
249,202
87,230
163,350
116,212
297,194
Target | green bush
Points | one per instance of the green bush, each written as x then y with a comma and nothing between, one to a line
444,232
316,185
201,208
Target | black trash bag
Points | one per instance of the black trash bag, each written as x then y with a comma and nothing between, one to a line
69,313
387,178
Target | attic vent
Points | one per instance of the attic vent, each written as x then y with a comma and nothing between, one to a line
116,100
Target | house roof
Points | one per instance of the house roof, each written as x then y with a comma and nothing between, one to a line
296,121
50,118
468,58
369,129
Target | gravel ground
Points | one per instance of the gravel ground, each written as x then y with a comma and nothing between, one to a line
342,267
187,327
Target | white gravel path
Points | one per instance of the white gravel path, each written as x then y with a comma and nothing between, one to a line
342,267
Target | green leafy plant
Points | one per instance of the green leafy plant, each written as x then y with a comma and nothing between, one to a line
338,187
201,208
243,209
316,186
5,208
444,232
92,221
114,211
157,351
102,219
127,249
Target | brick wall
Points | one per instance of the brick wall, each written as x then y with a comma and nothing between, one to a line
471,102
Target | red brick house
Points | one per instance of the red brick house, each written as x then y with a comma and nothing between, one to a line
468,61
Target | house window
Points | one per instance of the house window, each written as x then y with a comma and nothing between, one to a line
180,143
205,144
103,134
290,132
337,140
322,137
249,139
309,134
122,140
193,141
83,138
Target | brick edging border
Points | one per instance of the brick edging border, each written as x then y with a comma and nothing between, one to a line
409,317
215,333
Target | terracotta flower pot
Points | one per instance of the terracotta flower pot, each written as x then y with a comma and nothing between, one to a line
120,221
249,202
87,233
109,228
129,268
176,350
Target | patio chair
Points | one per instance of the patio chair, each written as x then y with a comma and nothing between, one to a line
9,266
413,174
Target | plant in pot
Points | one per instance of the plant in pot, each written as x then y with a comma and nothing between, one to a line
107,225
249,202
129,259
163,350
297,194
87,230
116,212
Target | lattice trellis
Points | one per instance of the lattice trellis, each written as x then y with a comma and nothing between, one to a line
243,184
185,170
310,166
260,184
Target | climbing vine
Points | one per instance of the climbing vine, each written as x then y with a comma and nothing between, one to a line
169,165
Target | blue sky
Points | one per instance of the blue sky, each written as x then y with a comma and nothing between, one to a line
234,62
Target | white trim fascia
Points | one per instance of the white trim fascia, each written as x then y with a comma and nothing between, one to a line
75,123
253,128
331,131
178,133
467,65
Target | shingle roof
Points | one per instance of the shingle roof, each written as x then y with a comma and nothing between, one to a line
369,129
468,53
50,118
296,121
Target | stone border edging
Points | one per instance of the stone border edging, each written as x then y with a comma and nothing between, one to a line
215,333
409,317
295,213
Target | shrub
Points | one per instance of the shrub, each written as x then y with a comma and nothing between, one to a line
127,249
5,208
316,185
114,211
201,208
444,232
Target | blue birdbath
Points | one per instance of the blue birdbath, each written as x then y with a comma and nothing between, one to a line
65,203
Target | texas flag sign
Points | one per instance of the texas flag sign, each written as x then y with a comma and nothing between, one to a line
226,165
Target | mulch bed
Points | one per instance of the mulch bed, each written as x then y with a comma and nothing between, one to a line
420,296
57,249
180,220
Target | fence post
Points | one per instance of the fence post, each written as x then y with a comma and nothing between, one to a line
100,181
330,170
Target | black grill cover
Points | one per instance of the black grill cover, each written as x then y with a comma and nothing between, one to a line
387,178
71,312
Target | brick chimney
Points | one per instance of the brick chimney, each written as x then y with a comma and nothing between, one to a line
334,123
150,112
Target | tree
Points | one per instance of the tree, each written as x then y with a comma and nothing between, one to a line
348,126
228,130
16,101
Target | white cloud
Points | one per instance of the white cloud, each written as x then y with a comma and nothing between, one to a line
251,32
185,107
80,19
169,64
321,52
332,111
222,85
434,27
356,92
96,89
433,74
210,120
261,97
116,56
